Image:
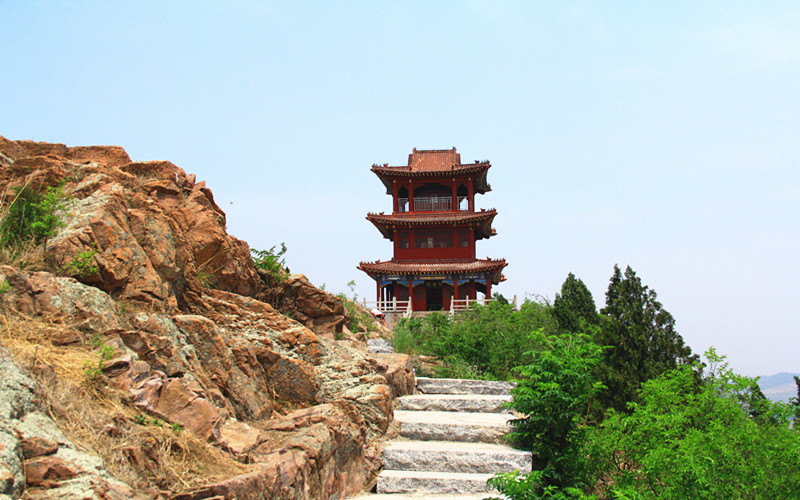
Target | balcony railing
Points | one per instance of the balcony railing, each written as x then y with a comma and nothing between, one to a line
437,204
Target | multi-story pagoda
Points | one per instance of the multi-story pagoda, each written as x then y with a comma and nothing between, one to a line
434,227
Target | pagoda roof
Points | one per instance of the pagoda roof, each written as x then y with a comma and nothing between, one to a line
494,266
435,163
482,220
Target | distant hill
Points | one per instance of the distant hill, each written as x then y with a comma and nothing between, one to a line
779,387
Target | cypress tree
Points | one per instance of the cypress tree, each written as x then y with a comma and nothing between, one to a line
644,342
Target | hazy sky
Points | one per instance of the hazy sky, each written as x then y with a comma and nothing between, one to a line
660,135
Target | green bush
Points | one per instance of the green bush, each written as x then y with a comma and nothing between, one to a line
31,216
553,392
272,261
484,342
681,441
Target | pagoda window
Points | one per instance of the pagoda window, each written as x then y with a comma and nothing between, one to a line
402,199
433,239
463,238
462,196
402,239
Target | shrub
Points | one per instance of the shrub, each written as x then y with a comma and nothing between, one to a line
271,261
554,392
31,216
684,441
484,342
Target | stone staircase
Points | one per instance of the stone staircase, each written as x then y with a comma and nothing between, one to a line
451,442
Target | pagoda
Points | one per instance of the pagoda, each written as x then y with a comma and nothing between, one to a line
434,227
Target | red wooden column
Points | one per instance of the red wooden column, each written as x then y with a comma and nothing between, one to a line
488,289
394,196
473,292
455,196
455,289
411,294
411,196
378,284
471,195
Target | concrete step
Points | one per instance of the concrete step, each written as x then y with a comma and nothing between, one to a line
450,456
460,386
454,426
418,496
453,402
397,481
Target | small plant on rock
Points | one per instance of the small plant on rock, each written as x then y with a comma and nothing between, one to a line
271,261
81,266
94,369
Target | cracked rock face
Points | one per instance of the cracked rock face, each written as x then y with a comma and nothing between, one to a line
175,300
35,454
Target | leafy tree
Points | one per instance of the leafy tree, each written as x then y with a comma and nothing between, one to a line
574,305
682,440
642,337
553,391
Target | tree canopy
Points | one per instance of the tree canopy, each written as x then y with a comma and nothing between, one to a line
642,336
574,305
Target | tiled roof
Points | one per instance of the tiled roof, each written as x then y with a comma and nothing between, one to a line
433,159
433,266
432,218
482,221
386,170
432,163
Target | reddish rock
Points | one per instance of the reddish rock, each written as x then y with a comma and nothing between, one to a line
178,404
65,337
398,371
177,298
44,470
289,378
316,309
238,438
154,228
35,446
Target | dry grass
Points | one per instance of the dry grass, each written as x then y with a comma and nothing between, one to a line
100,420
27,255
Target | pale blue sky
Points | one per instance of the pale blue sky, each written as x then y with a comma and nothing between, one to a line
661,135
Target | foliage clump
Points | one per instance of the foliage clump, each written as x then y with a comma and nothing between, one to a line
31,216
642,338
485,342
360,320
272,262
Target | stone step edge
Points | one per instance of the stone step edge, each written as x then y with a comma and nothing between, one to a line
455,456
433,481
418,496
470,403
428,385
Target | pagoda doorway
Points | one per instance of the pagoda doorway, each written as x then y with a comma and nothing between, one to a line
434,300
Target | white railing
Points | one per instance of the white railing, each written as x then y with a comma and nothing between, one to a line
390,306
457,305
437,204
466,304
433,204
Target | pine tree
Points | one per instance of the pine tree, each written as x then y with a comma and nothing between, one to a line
644,342
574,305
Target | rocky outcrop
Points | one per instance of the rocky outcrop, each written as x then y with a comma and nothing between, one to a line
155,230
172,327
317,310
35,457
